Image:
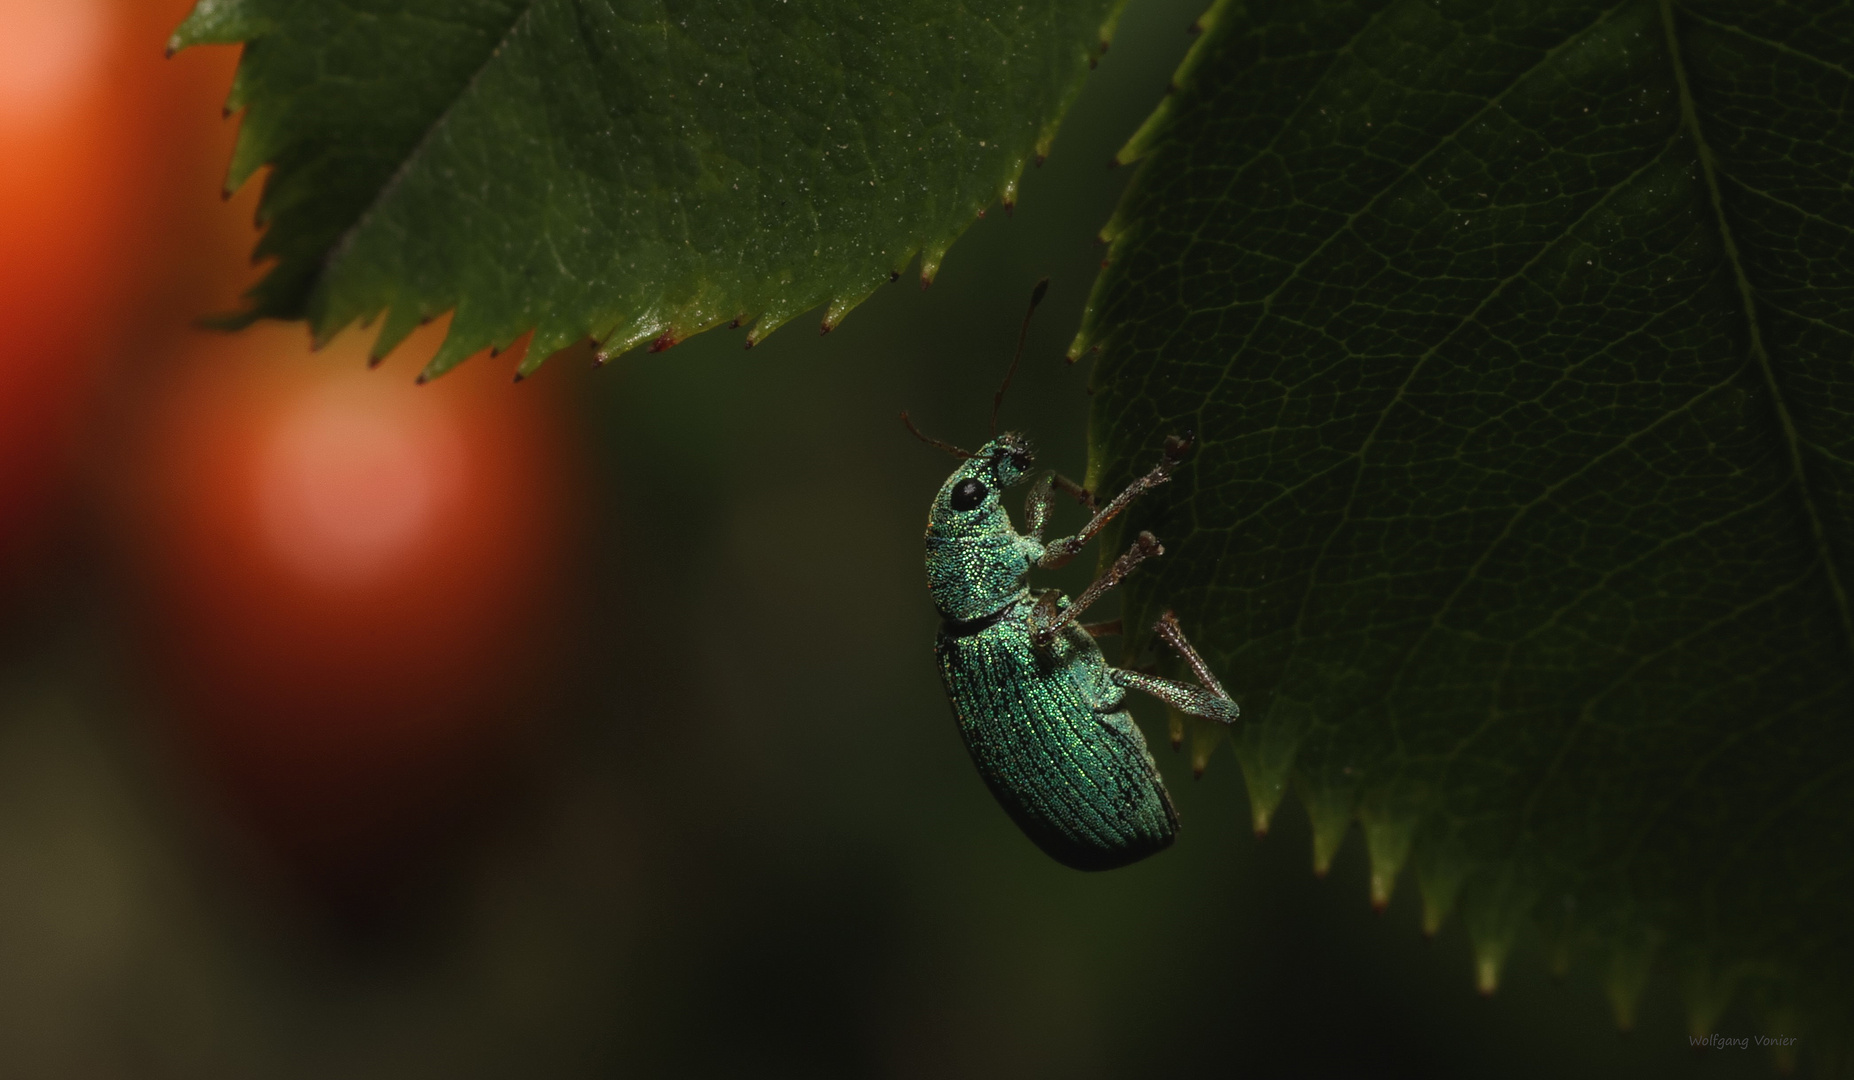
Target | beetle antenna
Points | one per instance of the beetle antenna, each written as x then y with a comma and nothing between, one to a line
1036,297
933,442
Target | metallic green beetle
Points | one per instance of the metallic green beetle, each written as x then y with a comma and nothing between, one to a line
1042,713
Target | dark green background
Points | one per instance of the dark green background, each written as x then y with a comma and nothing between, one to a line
756,847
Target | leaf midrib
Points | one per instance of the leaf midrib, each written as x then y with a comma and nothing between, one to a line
1689,119
346,239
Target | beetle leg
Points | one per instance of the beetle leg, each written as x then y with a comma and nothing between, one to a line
1168,630
1188,699
1208,699
1059,552
1042,499
1110,628
1075,491
1046,621
1037,505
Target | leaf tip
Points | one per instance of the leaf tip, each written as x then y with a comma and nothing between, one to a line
1438,904
767,322
841,307
1329,809
1486,974
1209,18
1707,992
1206,736
1388,831
931,257
1496,909
1264,764
1623,985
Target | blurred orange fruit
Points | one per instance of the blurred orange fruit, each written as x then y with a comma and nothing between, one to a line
352,584
96,131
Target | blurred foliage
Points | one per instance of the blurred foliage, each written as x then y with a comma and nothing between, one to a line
628,172
1517,336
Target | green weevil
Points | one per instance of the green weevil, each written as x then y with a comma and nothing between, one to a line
1042,713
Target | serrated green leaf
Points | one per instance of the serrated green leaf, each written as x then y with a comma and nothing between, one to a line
1519,341
633,172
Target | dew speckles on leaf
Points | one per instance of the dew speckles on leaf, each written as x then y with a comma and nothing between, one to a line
449,180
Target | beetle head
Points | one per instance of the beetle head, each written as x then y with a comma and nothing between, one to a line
972,491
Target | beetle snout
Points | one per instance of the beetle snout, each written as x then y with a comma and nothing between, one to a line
1014,457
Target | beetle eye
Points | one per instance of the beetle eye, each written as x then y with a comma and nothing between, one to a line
1023,459
968,494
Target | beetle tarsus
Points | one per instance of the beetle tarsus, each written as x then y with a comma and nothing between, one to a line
1059,552
1206,700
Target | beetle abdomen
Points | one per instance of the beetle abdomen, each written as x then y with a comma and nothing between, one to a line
1048,733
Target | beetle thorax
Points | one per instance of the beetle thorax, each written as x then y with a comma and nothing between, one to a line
973,576
976,560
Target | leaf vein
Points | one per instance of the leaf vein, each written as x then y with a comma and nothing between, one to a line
1586,713
346,240
1793,443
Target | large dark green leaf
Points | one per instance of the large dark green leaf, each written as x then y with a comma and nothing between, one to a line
1519,338
624,169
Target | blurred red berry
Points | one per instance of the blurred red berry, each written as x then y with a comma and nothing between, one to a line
98,133
351,584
